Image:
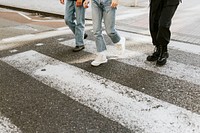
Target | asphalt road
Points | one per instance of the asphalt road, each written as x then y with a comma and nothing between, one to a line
36,105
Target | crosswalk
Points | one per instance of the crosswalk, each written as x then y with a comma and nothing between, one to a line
135,58
131,108
7,127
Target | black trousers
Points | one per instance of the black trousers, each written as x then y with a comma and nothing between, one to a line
160,18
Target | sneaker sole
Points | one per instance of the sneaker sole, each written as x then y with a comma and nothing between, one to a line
95,65
78,50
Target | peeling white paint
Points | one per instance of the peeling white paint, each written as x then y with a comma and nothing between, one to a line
142,39
7,127
39,44
43,35
38,20
111,52
13,51
61,39
131,108
133,57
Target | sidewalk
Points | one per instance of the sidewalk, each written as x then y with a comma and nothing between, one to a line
185,26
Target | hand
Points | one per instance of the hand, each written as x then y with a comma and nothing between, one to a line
114,3
62,2
86,3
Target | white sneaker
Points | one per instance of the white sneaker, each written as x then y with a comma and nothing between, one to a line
100,59
121,45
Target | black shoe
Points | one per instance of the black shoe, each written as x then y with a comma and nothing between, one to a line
162,59
78,48
85,36
155,55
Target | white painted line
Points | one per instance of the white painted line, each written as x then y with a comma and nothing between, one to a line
61,39
112,52
172,69
141,39
63,28
138,39
13,51
7,127
39,44
43,35
133,109
31,37
17,38
37,20
130,14
23,15
186,47
25,27
13,41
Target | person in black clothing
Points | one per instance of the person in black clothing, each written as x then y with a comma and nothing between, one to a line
160,17
73,12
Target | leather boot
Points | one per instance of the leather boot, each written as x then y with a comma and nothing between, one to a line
162,59
155,54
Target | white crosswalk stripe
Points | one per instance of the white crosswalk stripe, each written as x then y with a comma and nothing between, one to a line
141,39
113,100
181,71
7,127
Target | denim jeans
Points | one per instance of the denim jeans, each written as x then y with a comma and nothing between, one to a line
102,11
73,13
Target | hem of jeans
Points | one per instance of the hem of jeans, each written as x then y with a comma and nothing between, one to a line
80,44
118,40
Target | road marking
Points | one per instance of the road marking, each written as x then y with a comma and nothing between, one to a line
7,127
130,14
23,15
111,50
39,44
61,39
13,50
37,20
12,41
133,109
173,69
31,37
141,39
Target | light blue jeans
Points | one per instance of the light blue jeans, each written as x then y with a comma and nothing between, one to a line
73,13
102,11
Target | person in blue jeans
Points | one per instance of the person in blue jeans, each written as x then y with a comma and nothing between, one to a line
72,13
104,10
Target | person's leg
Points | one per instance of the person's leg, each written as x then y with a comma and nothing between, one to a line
164,34
109,15
97,15
154,16
70,15
80,25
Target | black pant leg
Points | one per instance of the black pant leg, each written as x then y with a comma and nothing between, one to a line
154,16
164,33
